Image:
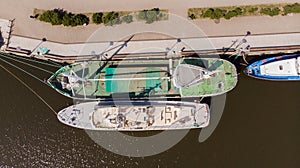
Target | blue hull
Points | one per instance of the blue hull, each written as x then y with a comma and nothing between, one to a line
253,70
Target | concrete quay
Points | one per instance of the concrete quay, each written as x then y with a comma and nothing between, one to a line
177,36
252,44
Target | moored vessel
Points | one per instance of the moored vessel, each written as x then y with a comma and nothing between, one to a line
184,77
136,115
281,68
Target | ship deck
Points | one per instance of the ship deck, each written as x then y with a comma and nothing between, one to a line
224,80
141,78
131,78
136,116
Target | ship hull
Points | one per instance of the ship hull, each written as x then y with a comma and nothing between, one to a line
136,115
281,68
139,79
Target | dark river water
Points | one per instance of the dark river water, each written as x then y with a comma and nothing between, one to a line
259,128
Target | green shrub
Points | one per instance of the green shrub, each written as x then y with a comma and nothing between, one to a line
270,11
127,19
253,9
80,19
294,8
111,18
208,13
52,16
46,16
97,17
214,13
115,21
67,19
58,17
230,14
150,16
142,15
239,11
233,13
74,20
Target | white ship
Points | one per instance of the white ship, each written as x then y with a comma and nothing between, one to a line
136,115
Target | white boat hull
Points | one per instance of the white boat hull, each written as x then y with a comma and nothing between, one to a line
136,115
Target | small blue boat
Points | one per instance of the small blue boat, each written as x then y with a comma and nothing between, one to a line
281,68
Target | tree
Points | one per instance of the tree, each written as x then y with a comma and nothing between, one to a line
51,16
80,19
59,16
67,19
208,13
46,16
97,17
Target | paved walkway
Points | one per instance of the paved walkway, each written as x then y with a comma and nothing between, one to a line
22,9
153,46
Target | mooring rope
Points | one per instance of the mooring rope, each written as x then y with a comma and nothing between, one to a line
23,70
33,66
53,64
29,88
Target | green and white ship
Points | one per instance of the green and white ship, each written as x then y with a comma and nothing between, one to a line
139,79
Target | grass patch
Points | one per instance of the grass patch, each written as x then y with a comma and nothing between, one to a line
152,15
292,8
233,11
